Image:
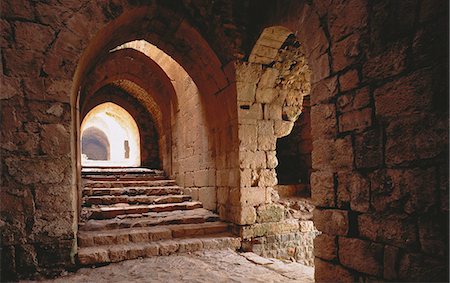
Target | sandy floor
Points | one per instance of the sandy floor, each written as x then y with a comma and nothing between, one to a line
209,266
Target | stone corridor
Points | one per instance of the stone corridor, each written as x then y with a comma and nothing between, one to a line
313,131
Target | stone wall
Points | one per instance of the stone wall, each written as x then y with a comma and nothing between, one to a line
380,137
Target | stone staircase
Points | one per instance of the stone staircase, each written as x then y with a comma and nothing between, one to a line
129,213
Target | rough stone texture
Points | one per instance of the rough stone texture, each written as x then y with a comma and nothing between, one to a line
379,83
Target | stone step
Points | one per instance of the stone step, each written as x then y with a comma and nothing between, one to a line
138,199
115,253
123,184
149,234
119,170
133,191
113,211
194,216
125,177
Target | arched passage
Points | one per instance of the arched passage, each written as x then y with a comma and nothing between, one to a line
95,144
121,132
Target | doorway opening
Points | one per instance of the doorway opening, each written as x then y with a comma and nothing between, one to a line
109,138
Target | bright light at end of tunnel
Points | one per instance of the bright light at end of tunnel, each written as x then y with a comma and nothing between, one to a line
122,142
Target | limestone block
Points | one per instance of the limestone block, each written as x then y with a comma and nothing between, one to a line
266,135
267,178
415,137
331,221
420,268
410,190
252,196
55,140
249,113
345,52
246,92
223,195
265,95
268,78
355,120
10,87
248,72
282,128
272,160
386,64
325,247
369,148
322,189
270,213
330,155
253,160
248,137
208,197
360,255
30,171
323,117
324,90
398,230
273,112
328,272
349,80
354,100
341,24
201,178
33,36
246,178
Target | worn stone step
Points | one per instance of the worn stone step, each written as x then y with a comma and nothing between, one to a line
194,216
138,199
113,211
114,253
125,177
133,191
119,170
149,234
124,184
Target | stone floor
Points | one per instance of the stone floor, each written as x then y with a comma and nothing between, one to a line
206,266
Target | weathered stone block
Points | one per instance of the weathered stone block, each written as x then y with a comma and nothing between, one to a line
354,100
386,64
267,178
246,92
355,120
248,137
324,90
265,95
329,272
345,52
55,140
417,267
266,135
269,213
323,117
325,247
331,155
282,128
361,255
331,221
322,189
415,137
397,230
253,160
207,196
349,80
410,93
369,149
248,72
412,190
272,160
